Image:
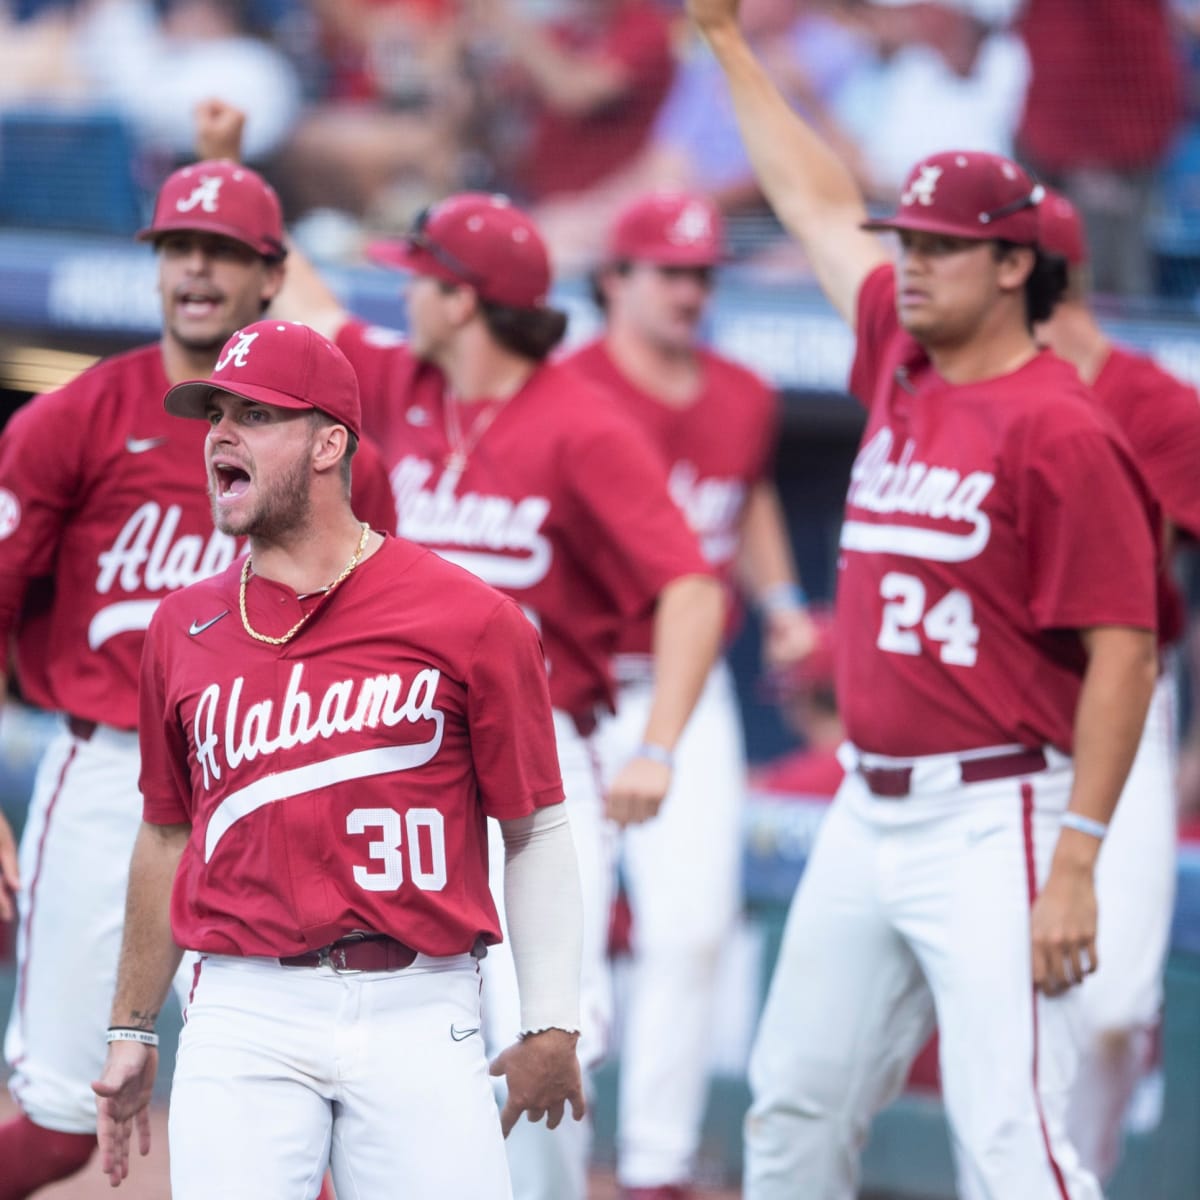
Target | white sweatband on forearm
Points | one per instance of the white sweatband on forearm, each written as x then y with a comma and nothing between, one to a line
545,917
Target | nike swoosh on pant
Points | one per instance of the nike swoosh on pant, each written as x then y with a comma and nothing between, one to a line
461,1035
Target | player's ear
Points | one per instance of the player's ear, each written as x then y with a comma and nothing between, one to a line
1014,265
330,442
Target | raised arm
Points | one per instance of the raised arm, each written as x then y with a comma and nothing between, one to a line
812,192
305,296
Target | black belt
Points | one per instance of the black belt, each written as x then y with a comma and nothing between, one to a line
357,952
894,783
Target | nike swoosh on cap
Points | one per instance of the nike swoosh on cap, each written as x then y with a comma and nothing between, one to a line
196,627
141,445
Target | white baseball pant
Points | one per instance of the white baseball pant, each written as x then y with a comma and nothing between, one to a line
910,906
1135,892
83,817
545,1164
380,1076
682,873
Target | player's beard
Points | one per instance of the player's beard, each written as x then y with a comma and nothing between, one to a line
286,508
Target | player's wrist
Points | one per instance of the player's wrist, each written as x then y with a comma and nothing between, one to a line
130,1033
656,752
781,599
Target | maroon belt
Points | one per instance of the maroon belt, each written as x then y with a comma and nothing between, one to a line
894,783
357,952
81,728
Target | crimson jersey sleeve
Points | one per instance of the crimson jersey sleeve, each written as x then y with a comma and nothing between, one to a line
876,324
1072,547
372,353
41,479
371,490
620,503
512,742
164,782
1160,416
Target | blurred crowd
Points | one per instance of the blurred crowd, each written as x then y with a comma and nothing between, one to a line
363,111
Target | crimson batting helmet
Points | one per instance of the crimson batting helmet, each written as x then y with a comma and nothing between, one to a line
668,229
481,240
220,197
1060,229
968,194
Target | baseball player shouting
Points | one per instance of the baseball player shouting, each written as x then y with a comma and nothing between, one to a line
995,659
1135,874
105,493
525,473
324,727
714,424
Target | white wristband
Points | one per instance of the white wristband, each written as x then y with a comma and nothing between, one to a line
1082,824
656,753
123,1033
782,597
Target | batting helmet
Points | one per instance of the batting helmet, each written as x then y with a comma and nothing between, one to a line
968,194
224,198
668,229
478,239
1060,229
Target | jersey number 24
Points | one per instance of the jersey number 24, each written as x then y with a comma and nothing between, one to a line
950,622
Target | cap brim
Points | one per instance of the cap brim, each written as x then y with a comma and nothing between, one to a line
266,249
919,224
190,398
405,256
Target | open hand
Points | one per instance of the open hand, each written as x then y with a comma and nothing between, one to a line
543,1076
1063,929
122,1104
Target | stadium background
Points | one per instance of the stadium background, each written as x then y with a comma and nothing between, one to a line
95,101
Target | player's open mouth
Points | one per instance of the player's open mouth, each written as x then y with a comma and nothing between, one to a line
197,304
232,482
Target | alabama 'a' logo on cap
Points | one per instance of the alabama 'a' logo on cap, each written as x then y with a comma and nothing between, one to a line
236,353
205,195
692,225
921,190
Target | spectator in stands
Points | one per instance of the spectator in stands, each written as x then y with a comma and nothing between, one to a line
385,137
593,82
36,63
1104,99
155,63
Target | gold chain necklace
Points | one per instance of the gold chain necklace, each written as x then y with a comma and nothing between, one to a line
461,447
355,559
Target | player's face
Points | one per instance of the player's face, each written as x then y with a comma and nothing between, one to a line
210,286
663,305
429,326
259,467
945,286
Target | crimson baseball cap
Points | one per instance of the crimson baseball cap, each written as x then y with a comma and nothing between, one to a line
276,362
1060,229
479,239
968,194
668,229
220,197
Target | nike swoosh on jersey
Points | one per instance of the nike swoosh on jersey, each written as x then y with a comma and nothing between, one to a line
198,628
141,445
461,1035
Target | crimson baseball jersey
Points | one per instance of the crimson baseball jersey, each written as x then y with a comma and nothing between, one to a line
104,503
985,524
561,503
714,450
1160,417
340,781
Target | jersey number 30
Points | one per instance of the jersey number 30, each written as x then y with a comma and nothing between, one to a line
950,622
426,870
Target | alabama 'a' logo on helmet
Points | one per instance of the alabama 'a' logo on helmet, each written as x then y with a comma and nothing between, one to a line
921,189
205,195
235,352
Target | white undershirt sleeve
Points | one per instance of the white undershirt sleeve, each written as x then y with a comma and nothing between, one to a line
545,917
